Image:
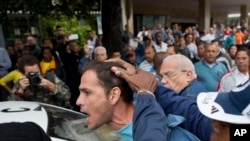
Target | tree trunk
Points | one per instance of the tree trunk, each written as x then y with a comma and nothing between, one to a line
112,25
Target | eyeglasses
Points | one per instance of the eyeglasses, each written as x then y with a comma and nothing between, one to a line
170,75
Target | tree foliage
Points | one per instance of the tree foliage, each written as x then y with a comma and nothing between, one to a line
69,26
61,12
46,8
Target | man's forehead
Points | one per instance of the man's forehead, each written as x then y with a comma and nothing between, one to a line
89,79
89,76
168,64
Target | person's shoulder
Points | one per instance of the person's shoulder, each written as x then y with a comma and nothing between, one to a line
226,76
164,43
2,49
221,65
197,86
199,63
84,59
143,62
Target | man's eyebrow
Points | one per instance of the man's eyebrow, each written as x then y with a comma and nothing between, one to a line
166,73
84,89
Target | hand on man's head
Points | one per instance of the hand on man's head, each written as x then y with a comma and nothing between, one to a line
137,79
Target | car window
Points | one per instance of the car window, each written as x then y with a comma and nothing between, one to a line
70,125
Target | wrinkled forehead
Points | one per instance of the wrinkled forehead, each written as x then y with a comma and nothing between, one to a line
168,64
100,51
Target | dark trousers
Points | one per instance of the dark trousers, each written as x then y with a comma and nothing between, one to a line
3,94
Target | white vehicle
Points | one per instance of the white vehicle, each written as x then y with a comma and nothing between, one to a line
59,123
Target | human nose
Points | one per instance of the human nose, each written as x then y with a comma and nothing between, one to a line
164,81
80,100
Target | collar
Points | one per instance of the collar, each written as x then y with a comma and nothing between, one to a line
184,89
206,64
237,72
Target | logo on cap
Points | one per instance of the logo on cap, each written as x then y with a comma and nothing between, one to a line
214,110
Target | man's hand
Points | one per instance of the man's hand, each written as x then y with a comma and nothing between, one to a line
23,82
137,79
47,84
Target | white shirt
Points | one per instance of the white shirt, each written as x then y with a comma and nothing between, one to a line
144,65
91,43
240,77
192,49
162,48
140,36
208,38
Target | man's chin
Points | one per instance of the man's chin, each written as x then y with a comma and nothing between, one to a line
92,127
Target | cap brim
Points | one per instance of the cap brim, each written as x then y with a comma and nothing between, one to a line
208,107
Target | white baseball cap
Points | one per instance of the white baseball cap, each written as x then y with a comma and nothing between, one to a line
231,107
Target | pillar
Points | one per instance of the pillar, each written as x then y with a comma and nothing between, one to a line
243,14
127,14
204,14
168,21
2,43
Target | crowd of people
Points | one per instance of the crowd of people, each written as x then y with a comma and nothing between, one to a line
170,72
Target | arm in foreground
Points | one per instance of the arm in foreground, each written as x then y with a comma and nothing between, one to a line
149,120
195,121
172,103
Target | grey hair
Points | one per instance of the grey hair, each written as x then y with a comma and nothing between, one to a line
183,63
100,48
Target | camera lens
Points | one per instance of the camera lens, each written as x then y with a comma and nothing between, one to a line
34,79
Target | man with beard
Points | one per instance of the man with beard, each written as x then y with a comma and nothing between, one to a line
35,50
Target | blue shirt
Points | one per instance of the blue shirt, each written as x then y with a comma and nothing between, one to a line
145,66
126,132
5,62
209,76
230,40
81,63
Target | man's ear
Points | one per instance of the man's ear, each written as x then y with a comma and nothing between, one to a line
190,75
114,95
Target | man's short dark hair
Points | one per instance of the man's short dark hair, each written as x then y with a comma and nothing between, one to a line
58,26
158,33
89,31
185,36
244,49
158,59
46,38
176,48
72,41
177,34
151,47
216,40
108,79
46,48
28,60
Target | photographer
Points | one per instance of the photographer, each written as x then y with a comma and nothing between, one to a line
35,87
